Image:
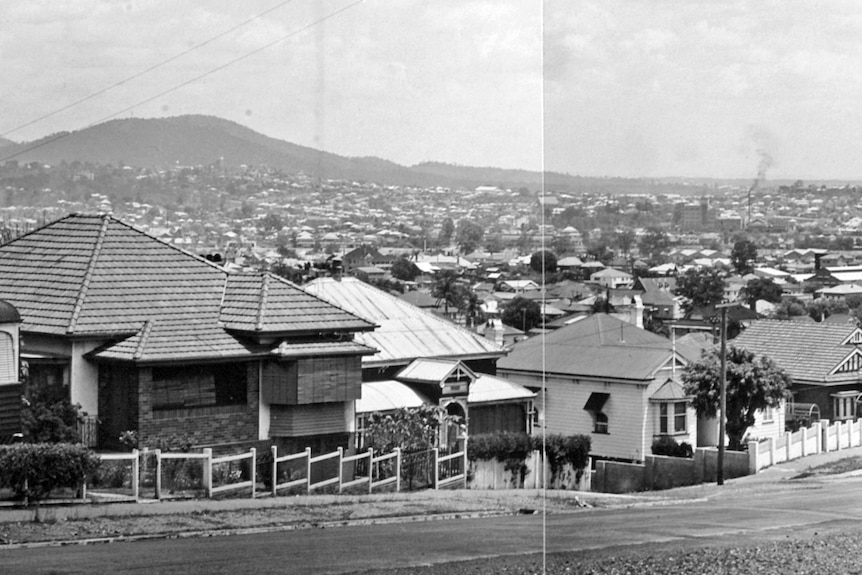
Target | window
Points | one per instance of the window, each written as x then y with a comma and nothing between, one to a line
671,418
769,414
199,386
600,423
595,405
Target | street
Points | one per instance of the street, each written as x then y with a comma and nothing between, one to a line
761,508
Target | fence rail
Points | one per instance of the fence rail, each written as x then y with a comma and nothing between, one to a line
359,470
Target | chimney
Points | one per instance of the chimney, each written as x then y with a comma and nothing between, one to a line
817,261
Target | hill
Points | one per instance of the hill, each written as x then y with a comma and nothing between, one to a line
204,140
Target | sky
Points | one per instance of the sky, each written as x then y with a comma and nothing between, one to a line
658,88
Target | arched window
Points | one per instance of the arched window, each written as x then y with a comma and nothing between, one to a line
8,369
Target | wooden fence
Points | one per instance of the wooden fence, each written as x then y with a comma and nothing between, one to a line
202,474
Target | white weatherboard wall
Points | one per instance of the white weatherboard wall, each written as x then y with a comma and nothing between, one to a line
626,410
84,377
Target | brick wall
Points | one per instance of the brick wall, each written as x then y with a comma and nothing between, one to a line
217,425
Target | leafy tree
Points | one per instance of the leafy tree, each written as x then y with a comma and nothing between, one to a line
653,244
271,222
493,244
447,230
447,290
791,307
753,383
290,273
821,308
600,252
700,288
625,240
468,235
562,244
743,255
403,269
543,261
523,314
760,288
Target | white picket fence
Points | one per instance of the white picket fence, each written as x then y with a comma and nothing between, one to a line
363,470
820,437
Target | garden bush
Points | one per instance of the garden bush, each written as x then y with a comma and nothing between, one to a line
668,446
33,470
513,448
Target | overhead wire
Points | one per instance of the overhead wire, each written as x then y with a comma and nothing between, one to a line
143,72
210,72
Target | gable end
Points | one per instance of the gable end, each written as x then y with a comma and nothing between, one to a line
851,363
854,338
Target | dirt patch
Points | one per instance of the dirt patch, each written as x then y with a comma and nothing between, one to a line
844,465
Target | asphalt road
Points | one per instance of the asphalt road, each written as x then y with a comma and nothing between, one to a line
758,509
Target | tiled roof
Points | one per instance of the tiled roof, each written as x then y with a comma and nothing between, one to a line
179,340
93,275
806,351
263,302
405,331
598,346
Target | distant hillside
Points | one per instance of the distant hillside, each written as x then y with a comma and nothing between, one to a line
202,140
5,142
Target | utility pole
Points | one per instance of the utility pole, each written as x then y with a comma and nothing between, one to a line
722,397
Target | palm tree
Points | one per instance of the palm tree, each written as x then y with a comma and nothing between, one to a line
447,290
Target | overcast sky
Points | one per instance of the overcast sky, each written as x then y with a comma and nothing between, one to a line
600,88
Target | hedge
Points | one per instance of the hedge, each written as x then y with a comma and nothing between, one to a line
33,470
513,448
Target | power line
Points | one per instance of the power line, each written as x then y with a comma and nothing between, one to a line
187,82
144,72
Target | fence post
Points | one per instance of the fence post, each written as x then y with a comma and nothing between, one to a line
158,480
253,470
804,434
370,468
466,463
771,441
824,434
274,450
818,439
308,470
397,470
208,471
436,470
136,474
753,457
340,469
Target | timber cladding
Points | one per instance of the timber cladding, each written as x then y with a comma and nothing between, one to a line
314,380
10,409
299,420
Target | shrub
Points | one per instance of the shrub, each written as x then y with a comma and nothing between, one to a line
562,449
33,470
668,446
513,449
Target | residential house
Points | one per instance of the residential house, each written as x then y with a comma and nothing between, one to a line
422,351
611,278
608,379
823,360
149,338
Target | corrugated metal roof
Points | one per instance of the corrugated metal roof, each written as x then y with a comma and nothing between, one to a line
388,395
669,391
405,331
597,346
490,389
429,370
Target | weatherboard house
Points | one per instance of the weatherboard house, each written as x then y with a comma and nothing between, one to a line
149,338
